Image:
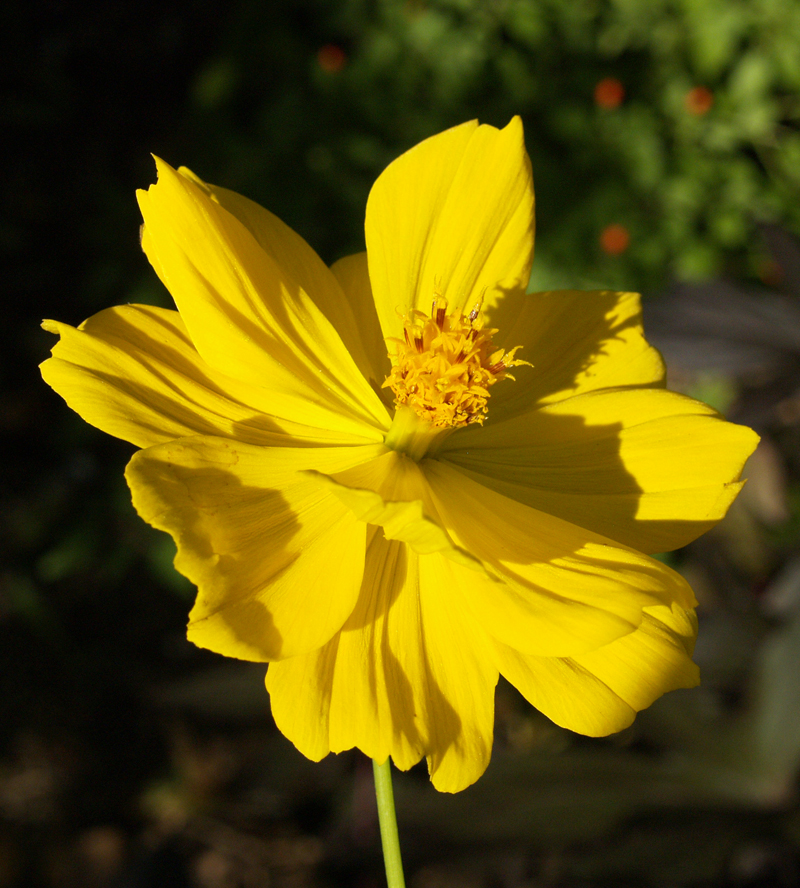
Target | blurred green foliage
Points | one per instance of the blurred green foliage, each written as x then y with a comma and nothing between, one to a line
701,141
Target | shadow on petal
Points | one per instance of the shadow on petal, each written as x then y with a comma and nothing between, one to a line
556,464
576,340
277,564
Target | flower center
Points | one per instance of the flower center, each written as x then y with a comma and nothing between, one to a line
445,365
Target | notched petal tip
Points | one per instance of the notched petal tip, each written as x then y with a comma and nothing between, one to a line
166,175
514,130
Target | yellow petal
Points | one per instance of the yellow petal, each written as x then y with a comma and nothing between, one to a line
246,315
133,372
410,675
577,342
277,560
600,692
353,276
649,468
402,521
558,590
392,493
534,581
302,269
451,217
300,697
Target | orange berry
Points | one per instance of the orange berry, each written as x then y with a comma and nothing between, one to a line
699,100
614,239
609,93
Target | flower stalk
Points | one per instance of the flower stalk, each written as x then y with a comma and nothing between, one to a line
390,841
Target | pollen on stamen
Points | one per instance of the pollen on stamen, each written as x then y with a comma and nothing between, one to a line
445,364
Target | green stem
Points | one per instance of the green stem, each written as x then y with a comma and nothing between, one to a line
388,822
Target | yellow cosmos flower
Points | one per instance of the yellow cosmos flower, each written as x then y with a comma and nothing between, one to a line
364,496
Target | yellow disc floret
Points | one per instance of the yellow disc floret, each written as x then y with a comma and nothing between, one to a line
445,364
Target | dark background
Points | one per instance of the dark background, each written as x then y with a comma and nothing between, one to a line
665,141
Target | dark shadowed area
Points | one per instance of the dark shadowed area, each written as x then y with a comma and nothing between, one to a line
665,143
